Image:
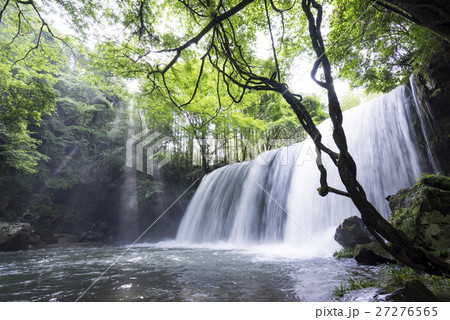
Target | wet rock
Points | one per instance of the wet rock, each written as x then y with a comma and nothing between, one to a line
91,237
361,295
45,235
45,220
352,232
34,238
372,254
413,291
14,236
66,238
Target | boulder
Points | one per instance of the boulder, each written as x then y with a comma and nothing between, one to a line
423,212
413,291
351,232
14,236
372,254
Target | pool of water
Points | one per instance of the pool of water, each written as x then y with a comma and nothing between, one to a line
172,272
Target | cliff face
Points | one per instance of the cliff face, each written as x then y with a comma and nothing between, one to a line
434,96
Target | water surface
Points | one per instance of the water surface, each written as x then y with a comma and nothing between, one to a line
168,272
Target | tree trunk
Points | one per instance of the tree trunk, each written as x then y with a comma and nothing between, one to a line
432,14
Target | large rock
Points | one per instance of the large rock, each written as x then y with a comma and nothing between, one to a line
423,212
372,254
14,236
351,232
413,291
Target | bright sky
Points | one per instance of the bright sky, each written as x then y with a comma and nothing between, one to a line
300,81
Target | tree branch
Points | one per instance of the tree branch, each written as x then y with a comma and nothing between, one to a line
214,22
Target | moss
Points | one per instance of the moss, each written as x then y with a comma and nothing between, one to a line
422,211
406,219
350,228
435,180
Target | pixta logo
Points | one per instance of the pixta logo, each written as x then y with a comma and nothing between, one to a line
144,144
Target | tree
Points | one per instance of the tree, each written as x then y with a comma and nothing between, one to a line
206,117
26,89
378,48
433,15
221,33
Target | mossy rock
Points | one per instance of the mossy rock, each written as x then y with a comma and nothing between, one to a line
423,212
372,254
352,232
14,236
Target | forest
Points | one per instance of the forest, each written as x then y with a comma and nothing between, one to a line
175,128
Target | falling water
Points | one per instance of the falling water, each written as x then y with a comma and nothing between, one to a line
274,199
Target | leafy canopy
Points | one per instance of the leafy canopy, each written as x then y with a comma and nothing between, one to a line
377,48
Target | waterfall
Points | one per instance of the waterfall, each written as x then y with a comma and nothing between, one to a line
273,199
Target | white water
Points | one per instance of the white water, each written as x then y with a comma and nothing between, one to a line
274,199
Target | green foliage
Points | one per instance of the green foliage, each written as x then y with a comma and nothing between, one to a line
347,252
315,109
55,119
381,49
434,180
396,276
147,187
26,91
349,100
